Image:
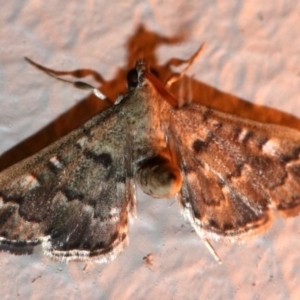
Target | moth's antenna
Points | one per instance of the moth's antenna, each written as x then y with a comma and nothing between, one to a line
212,251
78,84
190,61
162,90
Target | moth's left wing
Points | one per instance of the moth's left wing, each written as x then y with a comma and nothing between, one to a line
74,196
235,171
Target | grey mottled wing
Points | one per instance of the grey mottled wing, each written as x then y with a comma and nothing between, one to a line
74,196
235,171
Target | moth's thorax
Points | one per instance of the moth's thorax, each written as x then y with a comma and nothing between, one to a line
146,112
154,169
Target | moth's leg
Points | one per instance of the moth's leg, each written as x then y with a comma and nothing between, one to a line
119,99
175,77
78,84
212,251
87,266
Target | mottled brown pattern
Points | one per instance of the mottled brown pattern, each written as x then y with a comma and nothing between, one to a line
75,197
235,179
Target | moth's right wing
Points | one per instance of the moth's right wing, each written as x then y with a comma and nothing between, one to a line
74,196
236,172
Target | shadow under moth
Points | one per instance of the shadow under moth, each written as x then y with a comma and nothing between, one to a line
75,197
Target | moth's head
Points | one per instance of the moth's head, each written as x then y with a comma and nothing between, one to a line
141,76
136,76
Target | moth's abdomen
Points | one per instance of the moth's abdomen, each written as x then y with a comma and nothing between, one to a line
159,178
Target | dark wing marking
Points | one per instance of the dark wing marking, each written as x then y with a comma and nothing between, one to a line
234,171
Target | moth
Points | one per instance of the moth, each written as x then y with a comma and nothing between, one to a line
75,197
